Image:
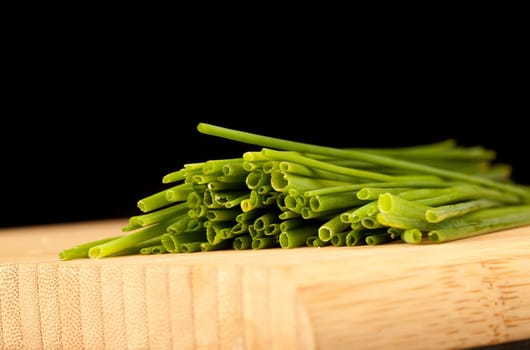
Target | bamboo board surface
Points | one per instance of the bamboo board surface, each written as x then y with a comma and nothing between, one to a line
454,295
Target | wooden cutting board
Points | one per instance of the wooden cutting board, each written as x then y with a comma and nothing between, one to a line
454,295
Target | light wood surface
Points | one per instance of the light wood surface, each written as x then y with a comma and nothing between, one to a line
450,296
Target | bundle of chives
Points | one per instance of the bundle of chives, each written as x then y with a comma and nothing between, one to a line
290,194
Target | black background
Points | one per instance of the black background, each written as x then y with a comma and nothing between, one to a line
88,132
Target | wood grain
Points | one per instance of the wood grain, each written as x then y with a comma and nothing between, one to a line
450,296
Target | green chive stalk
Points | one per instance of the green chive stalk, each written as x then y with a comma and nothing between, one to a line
296,184
262,242
190,247
207,246
390,184
124,242
160,215
317,243
368,209
81,251
481,222
153,202
181,225
154,249
395,205
339,239
265,220
377,238
179,193
355,237
288,214
172,242
242,242
444,212
412,235
332,227
216,166
296,237
338,201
